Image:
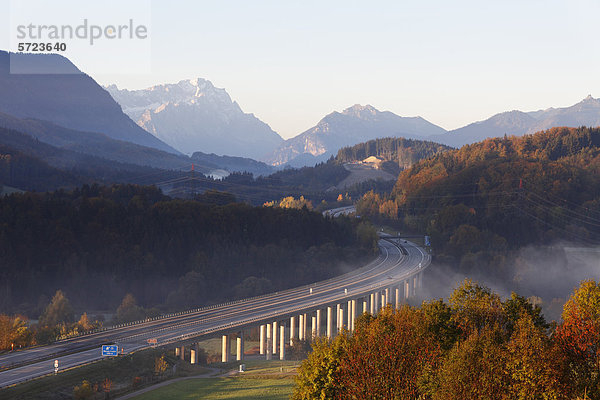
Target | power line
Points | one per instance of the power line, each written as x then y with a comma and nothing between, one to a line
585,240
554,211
563,208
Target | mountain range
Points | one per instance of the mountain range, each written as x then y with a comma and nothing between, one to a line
81,123
70,99
584,113
359,124
193,115
354,125
54,103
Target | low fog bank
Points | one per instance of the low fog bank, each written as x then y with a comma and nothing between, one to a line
547,275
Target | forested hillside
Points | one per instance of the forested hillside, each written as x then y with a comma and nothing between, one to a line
30,173
315,183
399,153
518,189
503,210
98,243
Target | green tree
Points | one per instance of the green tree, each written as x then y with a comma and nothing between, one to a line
318,375
473,369
128,310
59,311
367,237
533,365
474,307
160,365
83,391
438,320
516,306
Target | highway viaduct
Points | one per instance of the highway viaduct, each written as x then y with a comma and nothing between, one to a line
328,319
315,310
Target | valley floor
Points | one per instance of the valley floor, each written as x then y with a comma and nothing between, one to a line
263,380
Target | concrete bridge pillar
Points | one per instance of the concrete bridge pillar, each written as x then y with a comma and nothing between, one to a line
275,332
261,340
300,324
406,289
269,342
337,316
225,349
349,314
193,357
383,300
313,327
397,296
318,323
282,342
388,299
304,324
353,313
414,283
365,306
239,347
329,322
182,352
372,301
341,319
177,351
292,330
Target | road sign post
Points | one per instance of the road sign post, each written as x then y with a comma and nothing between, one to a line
110,350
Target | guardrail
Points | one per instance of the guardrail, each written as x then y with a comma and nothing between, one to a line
248,321
267,317
201,309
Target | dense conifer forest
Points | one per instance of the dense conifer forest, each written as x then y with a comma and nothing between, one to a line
397,152
98,243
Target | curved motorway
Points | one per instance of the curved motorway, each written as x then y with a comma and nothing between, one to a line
390,269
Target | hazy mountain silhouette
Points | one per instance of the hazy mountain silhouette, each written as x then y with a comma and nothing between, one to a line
66,97
354,125
584,113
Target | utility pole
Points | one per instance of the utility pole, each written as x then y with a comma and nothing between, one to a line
192,183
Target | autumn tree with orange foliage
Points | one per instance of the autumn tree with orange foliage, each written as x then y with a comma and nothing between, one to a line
387,355
476,347
497,185
14,332
579,338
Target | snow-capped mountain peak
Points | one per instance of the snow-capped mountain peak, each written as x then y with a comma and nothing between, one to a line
362,112
194,115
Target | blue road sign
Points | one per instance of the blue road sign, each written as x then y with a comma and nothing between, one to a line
110,350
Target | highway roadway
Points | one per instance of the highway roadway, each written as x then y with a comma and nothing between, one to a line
388,270
336,212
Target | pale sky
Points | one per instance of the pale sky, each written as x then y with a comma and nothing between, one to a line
451,62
